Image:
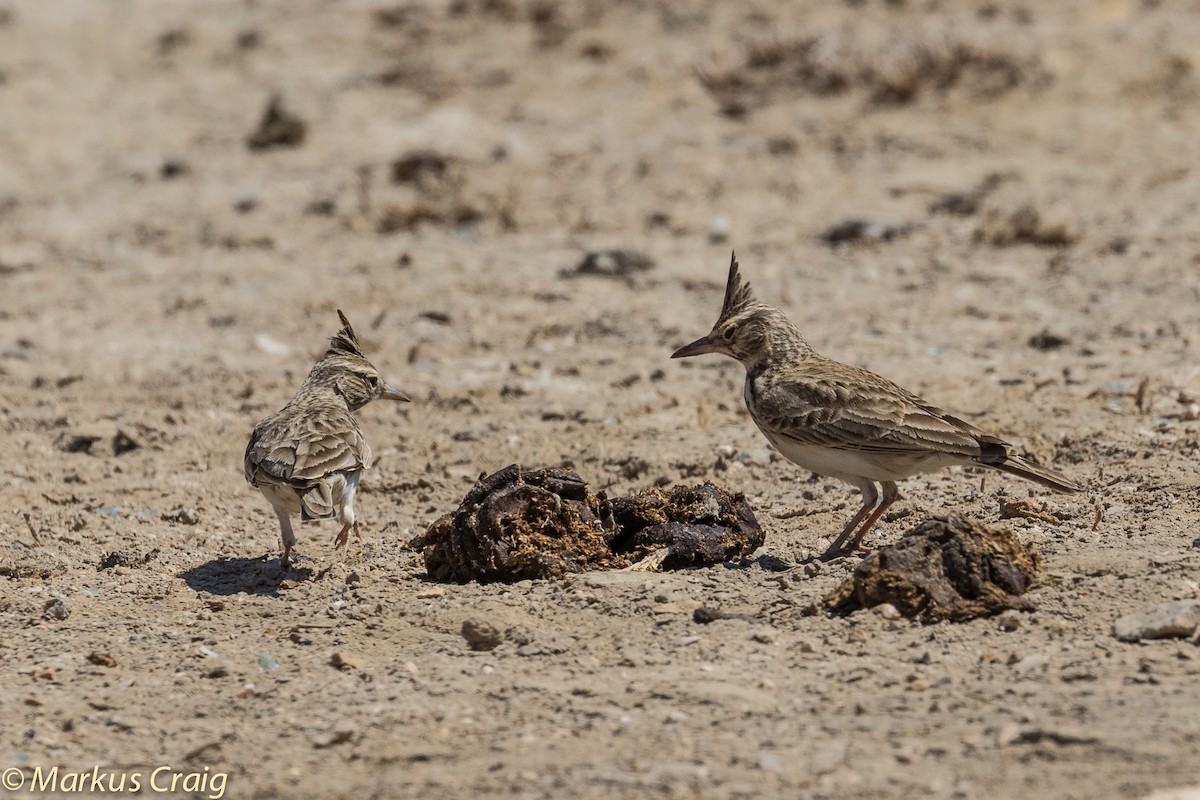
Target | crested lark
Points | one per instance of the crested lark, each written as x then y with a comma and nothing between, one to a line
308,457
842,421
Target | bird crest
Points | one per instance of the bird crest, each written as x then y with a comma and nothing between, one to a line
344,342
737,292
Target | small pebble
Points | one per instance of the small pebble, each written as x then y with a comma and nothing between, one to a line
481,635
1164,621
1009,621
765,635
1031,662
56,609
345,661
719,228
887,611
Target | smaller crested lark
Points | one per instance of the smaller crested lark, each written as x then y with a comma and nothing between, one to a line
842,421
308,457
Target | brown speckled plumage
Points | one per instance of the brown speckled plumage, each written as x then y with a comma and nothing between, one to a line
843,421
307,457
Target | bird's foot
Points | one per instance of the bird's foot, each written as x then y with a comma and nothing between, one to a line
832,554
342,537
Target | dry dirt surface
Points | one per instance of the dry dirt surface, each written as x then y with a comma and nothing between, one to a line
995,204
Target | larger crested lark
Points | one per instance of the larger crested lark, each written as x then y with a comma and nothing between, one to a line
308,457
842,421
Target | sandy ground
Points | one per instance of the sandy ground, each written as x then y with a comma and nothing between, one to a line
164,285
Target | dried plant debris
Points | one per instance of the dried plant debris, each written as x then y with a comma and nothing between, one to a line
699,525
889,67
278,128
520,524
946,568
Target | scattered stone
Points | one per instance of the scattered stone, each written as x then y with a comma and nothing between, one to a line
862,230
83,440
334,737
245,203
56,609
1065,736
124,442
765,635
345,661
270,345
1046,341
966,203
451,212
1031,662
424,168
267,663
173,168
719,229
278,128
887,611
481,635
946,568
1176,620
769,762
704,615
616,263
830,62
1024,225
182,515
101,659
172,40
1009,621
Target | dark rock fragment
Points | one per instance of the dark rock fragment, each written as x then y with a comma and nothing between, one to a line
278,128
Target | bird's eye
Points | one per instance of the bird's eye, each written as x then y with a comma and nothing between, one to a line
372,381
728,333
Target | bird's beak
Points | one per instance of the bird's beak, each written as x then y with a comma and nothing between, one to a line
697,348
392,393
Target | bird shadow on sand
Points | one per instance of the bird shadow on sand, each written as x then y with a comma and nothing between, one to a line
228,576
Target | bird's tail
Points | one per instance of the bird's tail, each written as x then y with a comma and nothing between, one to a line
1023,468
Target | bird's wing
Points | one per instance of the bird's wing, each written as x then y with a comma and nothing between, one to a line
846,408
298,448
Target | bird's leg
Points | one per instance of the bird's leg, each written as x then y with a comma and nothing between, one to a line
342,536
870,496
349,521
357,535
890,493
288,537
